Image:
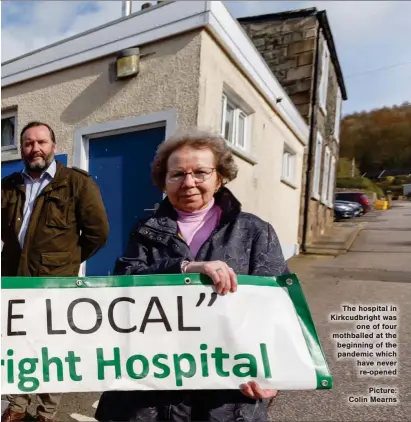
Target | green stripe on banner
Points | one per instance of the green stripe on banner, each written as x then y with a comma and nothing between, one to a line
124,281
290,282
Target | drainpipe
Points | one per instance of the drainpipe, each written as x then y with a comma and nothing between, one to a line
311,143
125,8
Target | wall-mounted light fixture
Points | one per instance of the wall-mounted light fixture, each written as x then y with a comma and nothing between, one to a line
128,63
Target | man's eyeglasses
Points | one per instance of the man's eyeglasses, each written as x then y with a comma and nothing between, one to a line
199,176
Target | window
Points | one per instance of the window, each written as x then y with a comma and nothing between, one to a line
331,183
289,164
234,124
8,131
317,166
228,121
325,63
338,105
241,130
326,176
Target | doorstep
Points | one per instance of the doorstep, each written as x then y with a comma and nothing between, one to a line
338,240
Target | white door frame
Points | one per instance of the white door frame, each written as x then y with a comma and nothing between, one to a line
167,119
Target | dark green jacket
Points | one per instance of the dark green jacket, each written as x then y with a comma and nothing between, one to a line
68,225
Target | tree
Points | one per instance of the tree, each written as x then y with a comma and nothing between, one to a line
379,139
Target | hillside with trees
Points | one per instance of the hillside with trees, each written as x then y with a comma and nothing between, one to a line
379,139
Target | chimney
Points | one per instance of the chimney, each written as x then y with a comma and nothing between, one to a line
125,8
146,6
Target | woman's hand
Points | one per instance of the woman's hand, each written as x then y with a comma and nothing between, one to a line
221,274
254,391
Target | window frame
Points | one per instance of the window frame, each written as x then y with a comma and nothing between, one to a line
331,183
289,165
238,113
8,115
326,176
317,166
241,114
325,70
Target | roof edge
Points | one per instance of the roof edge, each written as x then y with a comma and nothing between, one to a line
86,32
137,30
323,19
298,13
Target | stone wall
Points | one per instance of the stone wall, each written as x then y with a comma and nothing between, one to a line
321,216
289,48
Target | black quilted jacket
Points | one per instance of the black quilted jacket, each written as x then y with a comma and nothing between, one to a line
243,241
249,246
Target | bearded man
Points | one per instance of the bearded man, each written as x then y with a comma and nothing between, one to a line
52,220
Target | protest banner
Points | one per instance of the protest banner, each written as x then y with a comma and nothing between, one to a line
163,332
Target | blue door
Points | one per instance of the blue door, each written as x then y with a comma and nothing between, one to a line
121,166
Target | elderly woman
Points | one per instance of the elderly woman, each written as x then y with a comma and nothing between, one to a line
198,228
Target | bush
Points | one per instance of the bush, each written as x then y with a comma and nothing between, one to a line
353,182
344,168
400,180
394,189
362,183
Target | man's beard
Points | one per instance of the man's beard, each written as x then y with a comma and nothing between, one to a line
40,165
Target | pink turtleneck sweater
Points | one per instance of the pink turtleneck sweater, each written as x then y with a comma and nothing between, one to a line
196,227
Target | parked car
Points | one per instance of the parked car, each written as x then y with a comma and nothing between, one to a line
342,211
359,197
357,208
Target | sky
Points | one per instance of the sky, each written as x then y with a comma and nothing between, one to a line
372,37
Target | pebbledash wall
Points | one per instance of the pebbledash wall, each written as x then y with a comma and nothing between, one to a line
84,95
187,75
259,185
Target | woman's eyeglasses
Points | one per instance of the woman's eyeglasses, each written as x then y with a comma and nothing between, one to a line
199,176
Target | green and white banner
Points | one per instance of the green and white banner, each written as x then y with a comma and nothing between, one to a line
162,332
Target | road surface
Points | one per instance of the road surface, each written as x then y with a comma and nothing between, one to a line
377,270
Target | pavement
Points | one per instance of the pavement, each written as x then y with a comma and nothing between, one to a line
340,238
376,270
